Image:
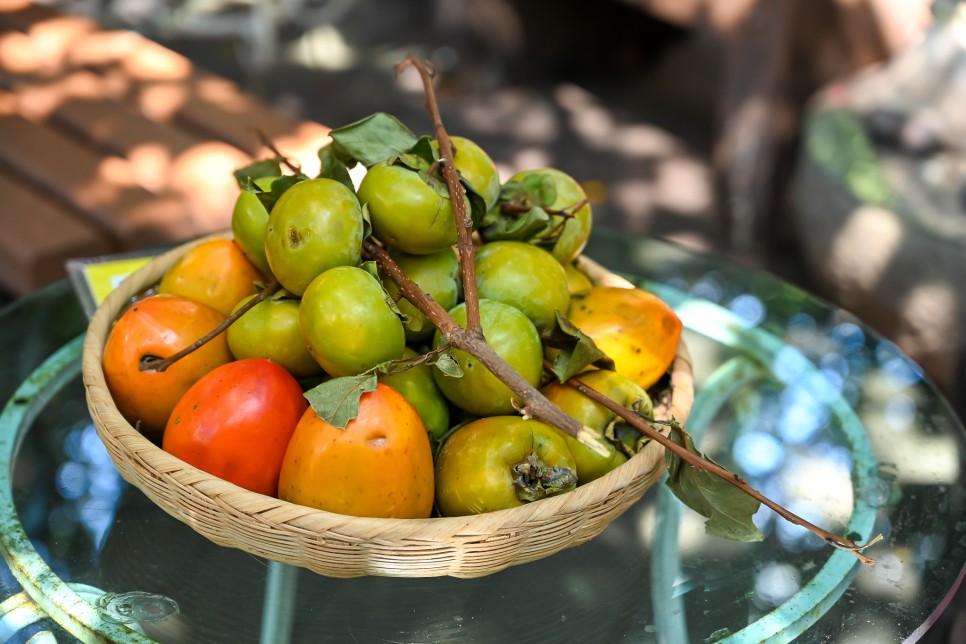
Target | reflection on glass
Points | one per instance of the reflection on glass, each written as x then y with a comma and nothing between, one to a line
89,485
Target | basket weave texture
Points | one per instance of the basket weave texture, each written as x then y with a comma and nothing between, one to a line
343,546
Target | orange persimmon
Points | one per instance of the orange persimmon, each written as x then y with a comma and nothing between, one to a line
639,331
380,465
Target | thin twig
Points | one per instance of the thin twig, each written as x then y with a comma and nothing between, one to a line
267,142
642,424
405,364
154,363
464,222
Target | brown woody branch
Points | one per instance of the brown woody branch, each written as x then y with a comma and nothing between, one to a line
534,403
464,222
154,363
642,424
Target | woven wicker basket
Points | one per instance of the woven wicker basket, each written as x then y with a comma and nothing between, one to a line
343,546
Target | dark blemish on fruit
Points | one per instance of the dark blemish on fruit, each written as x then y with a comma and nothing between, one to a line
294,238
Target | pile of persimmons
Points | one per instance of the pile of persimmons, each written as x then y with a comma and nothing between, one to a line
326,381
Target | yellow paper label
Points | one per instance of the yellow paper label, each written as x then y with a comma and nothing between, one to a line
104,277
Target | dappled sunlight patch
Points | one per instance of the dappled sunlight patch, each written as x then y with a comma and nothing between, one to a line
642,140
151,62
111,176
635,197
323,47
302,145
528,158
161,102
683,184
51,40
864,247
221,92
151,164
203,177
18,55
37,102
928,321
515,113
102,48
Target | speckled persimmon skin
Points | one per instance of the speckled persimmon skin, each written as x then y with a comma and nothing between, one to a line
159,325
636,329
215,272
380,465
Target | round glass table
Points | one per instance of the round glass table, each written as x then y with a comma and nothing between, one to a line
801,399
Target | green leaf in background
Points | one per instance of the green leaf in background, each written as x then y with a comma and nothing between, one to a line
265,168
335,166
576,349
376,138
336,401
425,149
728,510
837,140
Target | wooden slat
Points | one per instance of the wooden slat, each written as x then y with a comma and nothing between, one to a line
129,144
39,236
99,187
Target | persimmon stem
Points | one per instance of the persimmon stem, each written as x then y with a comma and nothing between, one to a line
267,142
464,222
535,404
644,425
154,363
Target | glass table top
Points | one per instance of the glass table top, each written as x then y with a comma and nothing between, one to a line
808,404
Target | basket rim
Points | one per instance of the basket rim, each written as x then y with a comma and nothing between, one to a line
96,389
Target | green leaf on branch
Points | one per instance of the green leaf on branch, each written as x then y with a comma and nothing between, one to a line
336,401
576,350
477,204
264,168
517,226
438,185
446,363
279,186
376,138
373,269
536,189
728,510
366,221
521,212
413,323
426,149
335,166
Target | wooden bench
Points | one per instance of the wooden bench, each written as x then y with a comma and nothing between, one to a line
110,142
